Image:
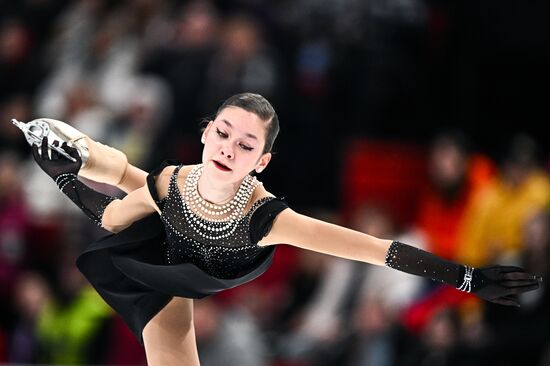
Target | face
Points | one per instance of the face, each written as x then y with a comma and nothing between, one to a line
233,145
448,164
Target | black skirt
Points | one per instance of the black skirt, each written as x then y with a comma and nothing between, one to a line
127,269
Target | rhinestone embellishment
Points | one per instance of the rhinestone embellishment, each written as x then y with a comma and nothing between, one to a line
210,220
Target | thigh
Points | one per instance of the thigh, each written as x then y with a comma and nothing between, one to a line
169,338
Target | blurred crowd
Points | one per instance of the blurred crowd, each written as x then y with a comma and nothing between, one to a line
140,76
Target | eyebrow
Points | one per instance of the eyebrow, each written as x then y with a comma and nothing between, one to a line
247,134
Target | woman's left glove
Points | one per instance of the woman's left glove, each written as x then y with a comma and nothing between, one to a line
499,284
57,164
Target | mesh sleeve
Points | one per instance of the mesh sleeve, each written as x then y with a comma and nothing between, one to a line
91,202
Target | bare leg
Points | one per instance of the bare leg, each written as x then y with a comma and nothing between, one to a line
109,165
133,179
169,337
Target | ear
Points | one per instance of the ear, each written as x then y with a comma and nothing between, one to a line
262,163
205,132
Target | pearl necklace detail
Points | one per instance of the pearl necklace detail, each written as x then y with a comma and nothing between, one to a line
218,221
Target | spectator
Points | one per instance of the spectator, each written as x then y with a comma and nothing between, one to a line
243,60
493,230
70,325
14,222
31,295
11,141
521,335
456,176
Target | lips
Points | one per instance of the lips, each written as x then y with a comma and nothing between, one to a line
221,166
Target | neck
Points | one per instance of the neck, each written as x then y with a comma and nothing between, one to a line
214,192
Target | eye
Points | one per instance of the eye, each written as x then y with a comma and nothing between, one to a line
246,147
221,133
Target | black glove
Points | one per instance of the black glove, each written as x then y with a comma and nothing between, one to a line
64,172
58,164
498,284
502,284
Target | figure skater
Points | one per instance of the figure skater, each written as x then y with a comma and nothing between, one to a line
185,232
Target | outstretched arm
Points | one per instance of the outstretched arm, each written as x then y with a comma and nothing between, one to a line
498,284
305,232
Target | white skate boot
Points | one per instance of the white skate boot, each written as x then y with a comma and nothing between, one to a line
100,163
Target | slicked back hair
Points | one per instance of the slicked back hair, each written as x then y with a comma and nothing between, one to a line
257,104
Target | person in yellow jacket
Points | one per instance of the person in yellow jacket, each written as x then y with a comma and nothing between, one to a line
495,220
71,321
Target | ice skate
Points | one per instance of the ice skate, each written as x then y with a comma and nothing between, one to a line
100,163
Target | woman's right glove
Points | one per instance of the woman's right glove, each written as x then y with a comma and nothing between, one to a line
498,284
57,164
64,172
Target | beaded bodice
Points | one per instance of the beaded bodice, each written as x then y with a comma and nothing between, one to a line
224,253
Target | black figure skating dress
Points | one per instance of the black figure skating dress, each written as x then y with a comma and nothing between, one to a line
138,270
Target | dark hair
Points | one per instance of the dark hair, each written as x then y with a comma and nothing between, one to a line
255,103
454,137
521,149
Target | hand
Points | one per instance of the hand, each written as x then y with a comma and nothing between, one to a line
58,164
503,284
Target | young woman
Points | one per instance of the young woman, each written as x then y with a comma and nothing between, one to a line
185,232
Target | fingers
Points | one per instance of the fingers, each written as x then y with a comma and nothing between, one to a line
507,300
511,284
518,276
520,289
44,149
46,153
35,152
518,279
508,269
521,280
55,154
72,151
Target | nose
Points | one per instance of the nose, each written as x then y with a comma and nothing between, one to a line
227,152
